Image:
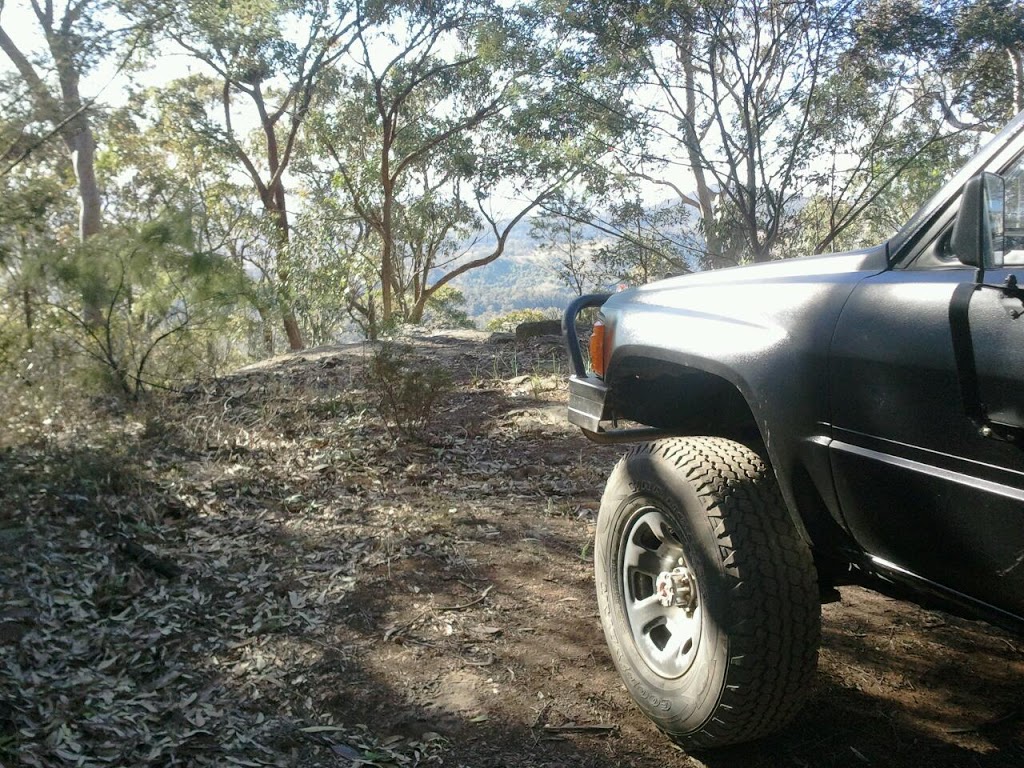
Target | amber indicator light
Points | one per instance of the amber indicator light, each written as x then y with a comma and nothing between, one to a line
597,348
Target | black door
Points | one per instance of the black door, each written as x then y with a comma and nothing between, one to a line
920,486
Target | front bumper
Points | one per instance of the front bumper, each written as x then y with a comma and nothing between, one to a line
588,402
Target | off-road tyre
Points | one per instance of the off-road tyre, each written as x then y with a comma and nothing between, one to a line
754,623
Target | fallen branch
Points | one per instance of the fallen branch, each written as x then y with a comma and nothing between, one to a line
574,728
1006,717
398,629
148,560
463,606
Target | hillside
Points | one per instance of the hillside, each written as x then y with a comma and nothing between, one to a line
263,571
524,277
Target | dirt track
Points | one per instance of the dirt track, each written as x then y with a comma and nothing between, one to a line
345,596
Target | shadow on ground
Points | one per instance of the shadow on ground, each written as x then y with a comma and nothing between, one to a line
344,597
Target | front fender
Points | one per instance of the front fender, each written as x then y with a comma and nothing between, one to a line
700,354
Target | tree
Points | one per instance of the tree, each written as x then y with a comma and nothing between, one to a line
966,58
332,263
76,41
749,109
729,88
36,218
564,238
153,164
74,46
447,105
633,242
158,298
270,58
651,243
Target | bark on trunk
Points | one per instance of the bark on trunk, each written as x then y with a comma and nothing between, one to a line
76,131
267,327
291,328
1017,65
387,266
83,157
704,196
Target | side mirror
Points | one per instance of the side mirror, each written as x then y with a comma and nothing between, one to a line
978,233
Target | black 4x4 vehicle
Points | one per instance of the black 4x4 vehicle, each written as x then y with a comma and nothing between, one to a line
856,418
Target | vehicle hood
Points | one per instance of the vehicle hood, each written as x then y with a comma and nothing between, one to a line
728,316
799,271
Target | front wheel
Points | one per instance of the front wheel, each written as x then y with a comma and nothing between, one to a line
707,592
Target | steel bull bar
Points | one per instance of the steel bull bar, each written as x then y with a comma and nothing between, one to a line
589,402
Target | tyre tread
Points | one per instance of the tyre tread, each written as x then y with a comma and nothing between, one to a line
774,641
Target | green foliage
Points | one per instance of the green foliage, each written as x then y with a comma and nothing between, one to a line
650,243
407,389
967,57
469,98
565,238
744,111
340,161
163,304
508,322
445,309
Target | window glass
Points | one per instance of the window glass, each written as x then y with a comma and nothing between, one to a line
1013,214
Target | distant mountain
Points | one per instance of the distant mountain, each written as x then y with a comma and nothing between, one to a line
526,276
523,277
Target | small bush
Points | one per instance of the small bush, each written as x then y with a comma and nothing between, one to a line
407,390
507,323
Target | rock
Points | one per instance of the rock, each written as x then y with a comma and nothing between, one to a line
537,328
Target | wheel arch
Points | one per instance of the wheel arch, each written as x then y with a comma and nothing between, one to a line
652,388
658,389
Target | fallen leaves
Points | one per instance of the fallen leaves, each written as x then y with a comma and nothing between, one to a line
178,592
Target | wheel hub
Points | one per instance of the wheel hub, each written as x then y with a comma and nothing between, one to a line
660,595
676,588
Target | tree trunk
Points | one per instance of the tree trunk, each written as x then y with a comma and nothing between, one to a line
291,327
387,254
417,310
371,319
1017,66
76,132
267,327
26,302
279,211
83,157
78,137
712,242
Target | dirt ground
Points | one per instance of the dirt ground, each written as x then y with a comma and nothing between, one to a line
257,572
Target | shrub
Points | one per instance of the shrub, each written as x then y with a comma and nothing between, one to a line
407,389
507,323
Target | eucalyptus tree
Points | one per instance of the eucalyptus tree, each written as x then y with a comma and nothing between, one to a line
723,93
74,40
913,95
965,56
37,216
572,246
652,242
442,109
749,109
614,235
260,69
156,168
